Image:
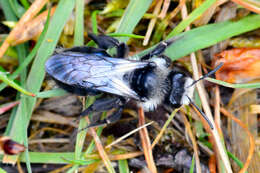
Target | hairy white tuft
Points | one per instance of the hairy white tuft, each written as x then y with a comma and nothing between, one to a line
188,91
158,95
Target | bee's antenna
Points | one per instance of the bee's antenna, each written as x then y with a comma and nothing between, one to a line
202,113
208,74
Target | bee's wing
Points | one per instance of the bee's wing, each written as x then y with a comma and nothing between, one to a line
94,71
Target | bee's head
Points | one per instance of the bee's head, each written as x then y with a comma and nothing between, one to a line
182,90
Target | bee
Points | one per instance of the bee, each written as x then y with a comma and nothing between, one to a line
149,81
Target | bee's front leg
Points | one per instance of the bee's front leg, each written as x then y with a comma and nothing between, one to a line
160,48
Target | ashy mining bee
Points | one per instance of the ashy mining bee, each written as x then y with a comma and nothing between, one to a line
149,81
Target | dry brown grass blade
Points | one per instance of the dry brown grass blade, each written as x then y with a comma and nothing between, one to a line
8,106
205,105
117,156
49,117
101,149
125,156
126,135
217,109
158,137
177,9
146,144
29,14
255,109
19,167
257,141
194,143
31,29
42,130
212,164
251,138
165,8
152,23
208,14
62,169
248,6
50,140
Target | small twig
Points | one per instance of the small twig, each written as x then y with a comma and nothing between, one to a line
8,106
248,6
29,14
177,9
251,138
128,134
146,144
62,169
165,8
205,105
194,144
101,149
117,156
32,28
217,107
50,140
158,137
152,23
212,164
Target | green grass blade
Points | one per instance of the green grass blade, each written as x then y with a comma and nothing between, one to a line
2,170
238,162
123,166
91,146
25,4
133,14
230,85
49,157
5,79
192,166
79,41
22,51
193,16
94,21
208,35
26,153
125,35
52,93
81,162
37,72
79,23
8,12
16,8
29,58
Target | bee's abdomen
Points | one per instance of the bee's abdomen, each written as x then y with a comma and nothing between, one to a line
143,82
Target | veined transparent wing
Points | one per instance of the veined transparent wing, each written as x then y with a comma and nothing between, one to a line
94,71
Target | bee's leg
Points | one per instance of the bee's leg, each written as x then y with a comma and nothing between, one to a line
105,42
122,50
159,49
101,105
111,119
86,49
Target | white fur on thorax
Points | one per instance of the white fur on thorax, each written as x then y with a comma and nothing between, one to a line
188,91
162,71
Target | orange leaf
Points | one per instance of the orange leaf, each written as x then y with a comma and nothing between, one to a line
240,65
